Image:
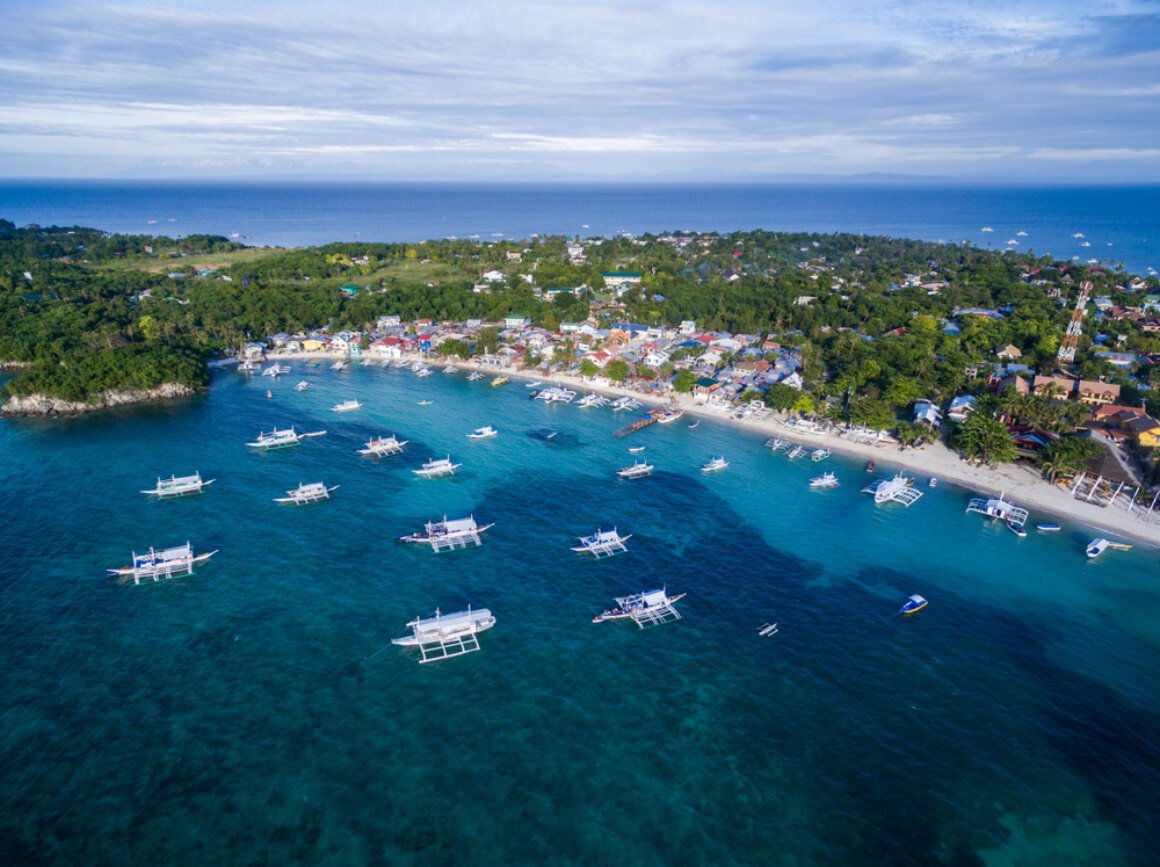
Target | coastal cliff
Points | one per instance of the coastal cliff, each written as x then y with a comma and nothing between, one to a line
43,404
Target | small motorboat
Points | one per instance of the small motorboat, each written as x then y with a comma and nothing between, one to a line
1047,528
424,403
933,482
482,433
1017,530
636,450
912,605
693,426
1096,547
870,466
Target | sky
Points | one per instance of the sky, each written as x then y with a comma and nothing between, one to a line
681,91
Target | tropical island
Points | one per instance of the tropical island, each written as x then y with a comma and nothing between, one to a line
1023,356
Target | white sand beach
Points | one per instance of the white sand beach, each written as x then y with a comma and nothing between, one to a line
1019,483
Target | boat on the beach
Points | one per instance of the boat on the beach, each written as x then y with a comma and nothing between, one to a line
382,446
311,492
999,509
638,470
715,464
446,635
179,486
347,406
482,433
280,439
602,543
1096,547
1048,528
157,565
446,535
826,480
899,489
911,605
437,467
648,608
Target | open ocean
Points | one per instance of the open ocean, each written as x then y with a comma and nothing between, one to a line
254,713
1119,223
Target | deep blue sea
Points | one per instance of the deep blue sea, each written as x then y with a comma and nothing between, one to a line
1119,224
255,713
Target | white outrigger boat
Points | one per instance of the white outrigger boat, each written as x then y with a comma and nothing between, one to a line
649,608
795,453
593,399
638,470
1000,510
280,439
179,486
446,535
158,565
714,465
347,406
825,480
899,489
602,543
383,446
556,394
340,365
450,368
446,635
777,443
307,493
276,370
302,386
475,376
437,467
482,433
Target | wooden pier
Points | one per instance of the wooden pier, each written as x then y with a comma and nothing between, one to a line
641,423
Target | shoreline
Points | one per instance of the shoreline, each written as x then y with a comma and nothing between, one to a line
1021,484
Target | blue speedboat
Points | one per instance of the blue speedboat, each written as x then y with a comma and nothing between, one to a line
913,604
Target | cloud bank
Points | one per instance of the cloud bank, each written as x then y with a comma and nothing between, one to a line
580,90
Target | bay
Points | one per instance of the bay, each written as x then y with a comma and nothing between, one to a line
256,711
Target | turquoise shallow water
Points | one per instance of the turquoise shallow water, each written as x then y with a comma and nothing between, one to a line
250,713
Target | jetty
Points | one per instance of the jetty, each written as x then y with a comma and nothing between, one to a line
653,417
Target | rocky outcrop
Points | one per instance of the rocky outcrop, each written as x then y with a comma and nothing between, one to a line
43,404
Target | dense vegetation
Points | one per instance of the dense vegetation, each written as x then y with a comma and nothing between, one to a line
90,310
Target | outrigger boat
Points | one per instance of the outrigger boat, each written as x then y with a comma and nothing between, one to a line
475,376
912,605
179,486
638,470
602,543
649,608
714,465
826,480
437,467
307,493
1000,510
382,446
446,635
280,439
347,406
482,433
302,386
445,535
158,565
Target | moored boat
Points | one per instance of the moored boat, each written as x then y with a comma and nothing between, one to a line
482,433
445,535
498,381
648,608
437,467
381,446
305,493
179,486
1047,528
826,480
714,465
638,470
447,635
157,565
913,604
602,543
347,406
278,439
302,386
1096,547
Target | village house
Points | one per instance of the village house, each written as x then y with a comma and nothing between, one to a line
960,407
927,412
